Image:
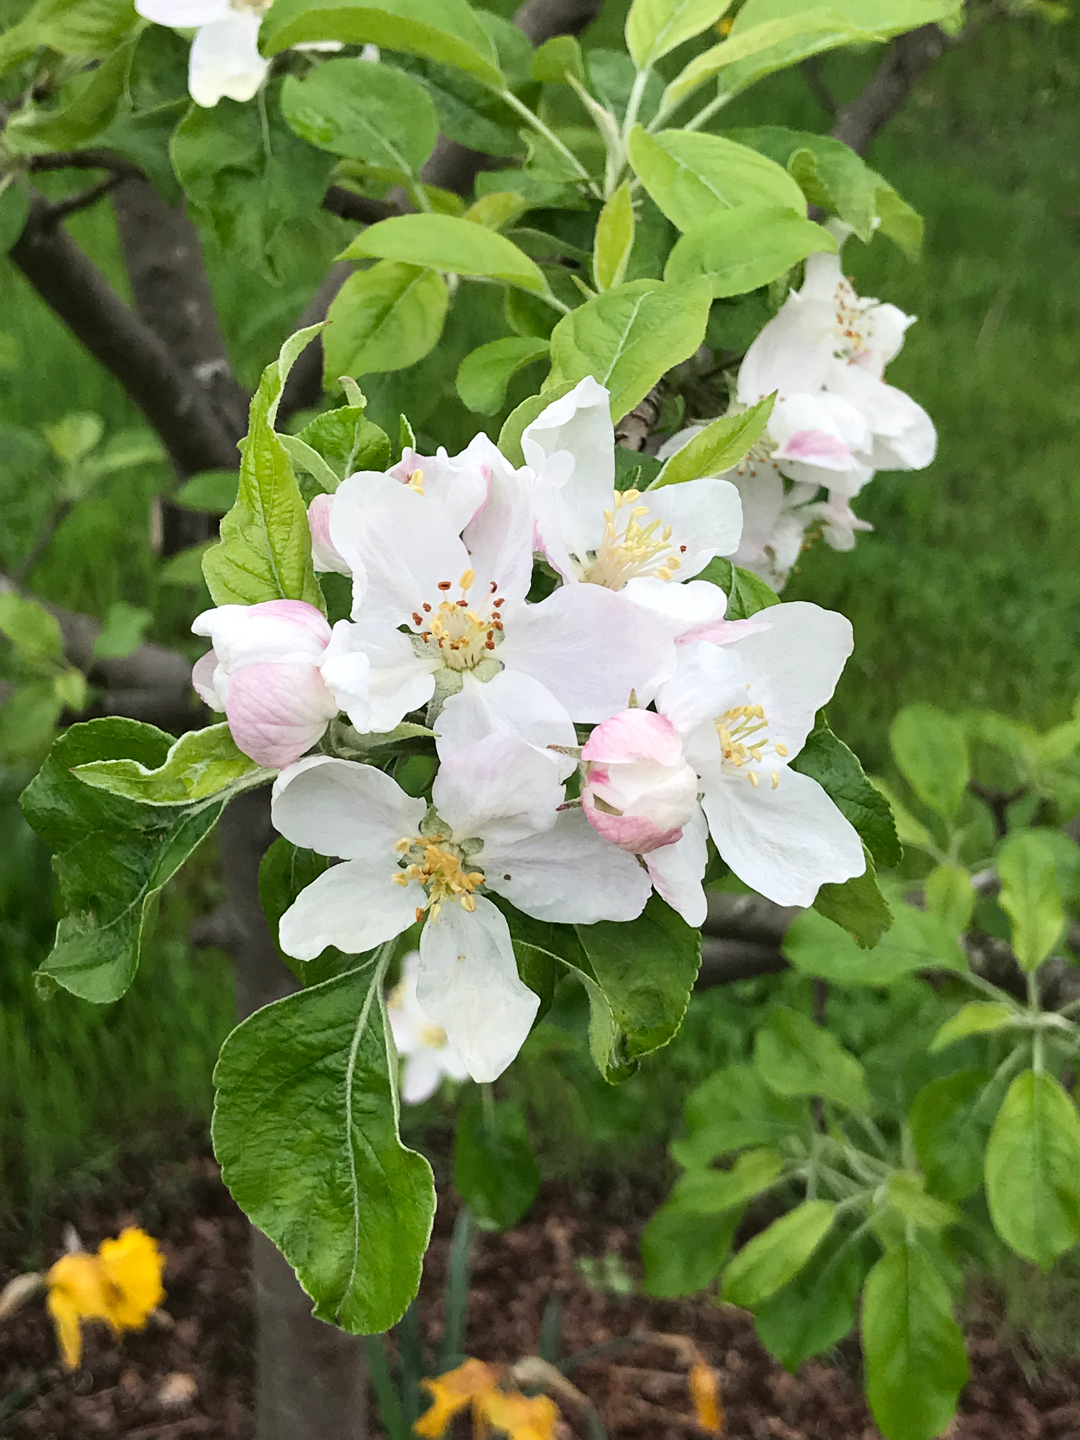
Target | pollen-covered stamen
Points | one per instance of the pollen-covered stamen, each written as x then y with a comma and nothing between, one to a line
853,329
415,481
434,862
744,742
630,547
462,632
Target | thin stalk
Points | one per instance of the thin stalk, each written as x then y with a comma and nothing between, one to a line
707,112
549,135
1038,1041
633,105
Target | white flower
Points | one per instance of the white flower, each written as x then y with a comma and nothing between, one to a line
638,790
743,712
643,545
459,484
494,826
281,674
439,614
423,1045
323,555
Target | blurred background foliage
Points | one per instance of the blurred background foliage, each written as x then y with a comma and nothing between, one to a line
967,594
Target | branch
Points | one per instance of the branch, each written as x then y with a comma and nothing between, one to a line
83,199
84,160
906,61
72,285
360,208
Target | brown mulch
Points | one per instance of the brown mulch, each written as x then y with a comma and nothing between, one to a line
191,1376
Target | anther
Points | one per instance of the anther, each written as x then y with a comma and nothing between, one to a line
467,579
446,585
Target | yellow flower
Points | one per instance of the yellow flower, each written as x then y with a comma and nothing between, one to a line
705,1393
450,1393
477,1385
120,1285
518,1416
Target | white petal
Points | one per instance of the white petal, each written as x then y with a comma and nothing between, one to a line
354,906
705,518
457,486
277,630
345,672
708,681
399,680
508,704
822,274
323,555
184,14
422,1072
498,790
590,647
904,437
469,985
500,536
676,871
225,59
677,607
570,875
572,498
821,429
337,807
793,666
886,324
763,499
204,679
791,353
784,843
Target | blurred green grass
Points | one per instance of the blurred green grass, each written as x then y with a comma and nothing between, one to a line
967,593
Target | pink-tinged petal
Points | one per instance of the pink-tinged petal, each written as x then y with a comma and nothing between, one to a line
791,353
816,448
634,735
203,675
352,906
276,712
821,429
677,607
676,871
708,681
590,647
507,704
569,875
499,536
498,790
458,485
276,630
225,59
337,807
725,632
323,555
784,843
636,833
469,985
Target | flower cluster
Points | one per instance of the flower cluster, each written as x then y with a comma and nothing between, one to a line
560,793
835,420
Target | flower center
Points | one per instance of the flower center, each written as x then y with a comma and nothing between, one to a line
630,547
260,7
462,633
434,862
853,330
745,744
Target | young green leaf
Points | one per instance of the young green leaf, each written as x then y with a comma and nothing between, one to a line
913,1348
683,1253
950,897
87,105
931,751
210,490
949,1133
731,1109
709,1191
1033,1169
199,765
909,831
33,630
614,239
738,250
372,113
629,337
385,318
716,448
1030,896
485,372
655,27
815,1310
322,1169
915,941
977,1017
796,1057
346,441
448,242
826,759
776,1256
91,28
906,1190
495,1170
558,60
857,905
691,175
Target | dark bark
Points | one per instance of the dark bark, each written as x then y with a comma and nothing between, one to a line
906,61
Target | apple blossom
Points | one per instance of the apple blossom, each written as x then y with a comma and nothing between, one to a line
423,1046
323,555
494,826
281,674
638,790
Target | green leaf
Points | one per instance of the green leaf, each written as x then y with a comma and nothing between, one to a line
629,337
857,905
717,448
796,1057
87,105
91,28
691,175
450,32
826,759
977,1017
683,1253
112,855
372,113
448,242
913,1348
708,1192
33,630
199,765
747,593
347,441
639,975
909,831
950,897
495,1170
265,547
931,751
734,1108
557,60
14,213
832,176
485,372
949,1134
522,417
738,250
815,1310
656,27
614,239
305,1130
915,941
211,490
28,719
906,1190
1030,896
777,1255
123,631
1033,1169
385,318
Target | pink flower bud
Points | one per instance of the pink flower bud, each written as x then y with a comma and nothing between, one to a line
639,791
324,555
